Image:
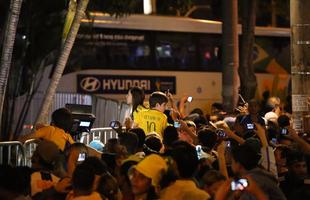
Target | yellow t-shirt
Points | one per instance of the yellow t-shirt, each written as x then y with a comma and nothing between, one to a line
139,109
151,121
54,134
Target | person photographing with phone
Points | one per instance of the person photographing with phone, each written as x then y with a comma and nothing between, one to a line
249,180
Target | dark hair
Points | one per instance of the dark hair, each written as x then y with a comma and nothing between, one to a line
153,143
170,135
283,121
83,178
246,156
138,97
185,157
108,186
207,138
157,97
217,105
140,134
294,156
62,118
212,176
197,111
97,164
130,141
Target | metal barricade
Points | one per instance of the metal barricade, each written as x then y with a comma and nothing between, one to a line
101,134
12,153
29,147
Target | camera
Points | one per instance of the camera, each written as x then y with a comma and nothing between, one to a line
220,133
284,131
250,126
176,124
239,184
190,99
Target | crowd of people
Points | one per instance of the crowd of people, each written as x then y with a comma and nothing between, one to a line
164,153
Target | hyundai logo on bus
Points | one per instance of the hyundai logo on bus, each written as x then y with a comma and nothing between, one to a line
119,84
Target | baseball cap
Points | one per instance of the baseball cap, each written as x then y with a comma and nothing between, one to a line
153,167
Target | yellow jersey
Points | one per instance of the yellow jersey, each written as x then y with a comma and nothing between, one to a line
54,134
139,109
151,121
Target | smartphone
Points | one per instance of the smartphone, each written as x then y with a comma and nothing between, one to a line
239,184
284,131
115,124
190,99
221,133
250,126
176,124
228,144
82,157
198,151
274,140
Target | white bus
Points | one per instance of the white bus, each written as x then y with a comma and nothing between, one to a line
159,53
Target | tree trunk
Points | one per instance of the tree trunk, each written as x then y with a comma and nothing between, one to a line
246,69
300,69
61,63
7,49
230,79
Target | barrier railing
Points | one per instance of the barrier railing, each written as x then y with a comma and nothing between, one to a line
101,134
17,154
29,147
12,153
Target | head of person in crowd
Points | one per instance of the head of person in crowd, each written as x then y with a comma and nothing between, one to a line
112,145
185,157
135,97
212,181
46,156
197,116
62,118
158,101
284,121
183,135
297,166
99,168
216,117
75,154
98,145
83,180
216,108
254,107
130,141
153,143
141,137
244,158
108,187
271,117
123,178
238,126
273,105
145,177
207,138
197,111
169,137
